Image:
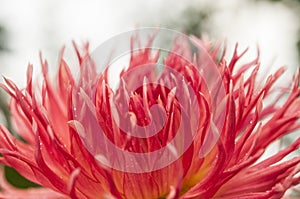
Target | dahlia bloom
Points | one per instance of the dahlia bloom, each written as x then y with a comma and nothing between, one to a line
58,146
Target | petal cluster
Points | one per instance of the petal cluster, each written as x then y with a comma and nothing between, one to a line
58,145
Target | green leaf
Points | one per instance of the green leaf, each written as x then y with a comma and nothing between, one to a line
15,179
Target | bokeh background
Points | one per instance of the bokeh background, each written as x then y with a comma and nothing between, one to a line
30,26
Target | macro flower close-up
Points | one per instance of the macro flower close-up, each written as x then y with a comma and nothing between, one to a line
209,116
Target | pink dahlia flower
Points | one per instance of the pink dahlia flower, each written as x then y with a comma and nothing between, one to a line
58,145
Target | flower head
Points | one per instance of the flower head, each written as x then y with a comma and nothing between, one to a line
62,150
